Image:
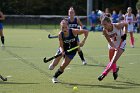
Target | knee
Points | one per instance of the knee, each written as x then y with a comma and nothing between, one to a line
51,67
61,68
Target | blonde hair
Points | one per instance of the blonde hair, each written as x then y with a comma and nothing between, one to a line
63,21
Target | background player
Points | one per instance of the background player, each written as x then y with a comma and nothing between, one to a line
107,12
2,17
117,41
138,20
130,19
73,22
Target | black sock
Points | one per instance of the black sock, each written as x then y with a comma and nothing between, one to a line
81,55
57,73
2,39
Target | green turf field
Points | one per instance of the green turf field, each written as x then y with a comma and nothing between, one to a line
21,62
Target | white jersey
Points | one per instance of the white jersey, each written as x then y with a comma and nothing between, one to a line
129,20
115,37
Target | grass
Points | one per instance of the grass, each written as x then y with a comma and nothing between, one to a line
21,62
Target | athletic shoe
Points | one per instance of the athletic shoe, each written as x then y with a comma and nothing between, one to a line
101,77
51,67
132,46
84,63
2,45
54,80
115,74
4,79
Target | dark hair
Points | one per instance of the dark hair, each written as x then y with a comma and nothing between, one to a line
71,7
107,19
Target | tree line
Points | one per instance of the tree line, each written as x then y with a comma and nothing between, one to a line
45,7
42,7
138,4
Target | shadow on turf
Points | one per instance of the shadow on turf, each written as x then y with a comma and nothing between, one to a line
94,65
1,82
128,83
124,85
99,65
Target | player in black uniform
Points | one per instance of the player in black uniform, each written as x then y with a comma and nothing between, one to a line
73,22
2,17
67,40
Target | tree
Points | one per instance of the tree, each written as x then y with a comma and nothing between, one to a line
42,7
138,4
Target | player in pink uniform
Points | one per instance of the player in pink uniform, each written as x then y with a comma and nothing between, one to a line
130,19
115,34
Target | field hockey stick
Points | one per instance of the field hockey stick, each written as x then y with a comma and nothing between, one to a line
4,79
115,53
51,36
51,58
120,43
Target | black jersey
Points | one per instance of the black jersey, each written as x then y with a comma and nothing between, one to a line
1,20
73,24
69,42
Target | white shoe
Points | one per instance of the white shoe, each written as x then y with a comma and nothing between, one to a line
51,67
54,80
132,46
2,45
84,63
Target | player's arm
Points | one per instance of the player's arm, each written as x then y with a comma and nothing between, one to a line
79,23
125,17
108,38
61,43
79,32
124,27
2,16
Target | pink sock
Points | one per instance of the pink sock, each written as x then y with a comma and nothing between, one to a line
132,40
114,67
108,68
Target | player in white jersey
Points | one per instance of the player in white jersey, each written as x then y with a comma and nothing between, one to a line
130,19
115,34
138,20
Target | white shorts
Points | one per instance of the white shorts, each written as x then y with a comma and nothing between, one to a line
130,27
119,45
